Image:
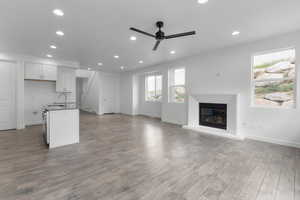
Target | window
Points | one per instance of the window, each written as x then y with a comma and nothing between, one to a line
274,79
177,85
153,87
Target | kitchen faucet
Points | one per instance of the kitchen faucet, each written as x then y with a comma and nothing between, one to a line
65,94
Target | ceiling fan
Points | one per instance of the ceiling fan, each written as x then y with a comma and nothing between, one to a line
160,36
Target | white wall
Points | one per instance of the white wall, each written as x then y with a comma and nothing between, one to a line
228,70
20,61
92,91
38,94
169,112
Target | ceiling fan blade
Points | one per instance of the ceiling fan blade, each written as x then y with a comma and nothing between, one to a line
142,32
156,45
180,35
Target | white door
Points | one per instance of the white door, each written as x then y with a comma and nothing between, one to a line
7,95
109,90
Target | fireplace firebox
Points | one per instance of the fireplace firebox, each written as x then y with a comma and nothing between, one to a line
213,115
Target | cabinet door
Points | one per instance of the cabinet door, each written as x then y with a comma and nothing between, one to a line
65,80
33,71
70,81
49,72
60,83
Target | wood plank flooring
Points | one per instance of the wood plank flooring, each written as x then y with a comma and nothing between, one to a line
138,158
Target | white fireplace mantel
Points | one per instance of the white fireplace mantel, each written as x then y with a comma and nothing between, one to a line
232,101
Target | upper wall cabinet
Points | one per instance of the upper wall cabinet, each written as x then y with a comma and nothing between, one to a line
50,72
33,71
37,71
66,80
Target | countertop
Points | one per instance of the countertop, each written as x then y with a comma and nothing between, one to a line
57,108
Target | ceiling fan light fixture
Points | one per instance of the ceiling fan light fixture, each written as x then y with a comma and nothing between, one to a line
159,36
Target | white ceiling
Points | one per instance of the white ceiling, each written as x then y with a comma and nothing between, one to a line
96,30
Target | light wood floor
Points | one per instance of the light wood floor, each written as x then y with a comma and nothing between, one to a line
130,158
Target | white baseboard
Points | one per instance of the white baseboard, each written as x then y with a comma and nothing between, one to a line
149,116
208,132
88,110
175,122
252,137
33,123
273,141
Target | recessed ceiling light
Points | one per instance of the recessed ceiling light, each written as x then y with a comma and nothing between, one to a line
52,46
172,52
141,62
235,33
122,67
116,56
58,12
133,38
49,56
60,33
100,64
202,1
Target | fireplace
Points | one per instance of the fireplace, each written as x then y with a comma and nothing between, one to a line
213,115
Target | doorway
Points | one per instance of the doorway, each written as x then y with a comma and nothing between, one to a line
109,96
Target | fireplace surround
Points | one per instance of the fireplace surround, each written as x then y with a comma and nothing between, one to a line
232,128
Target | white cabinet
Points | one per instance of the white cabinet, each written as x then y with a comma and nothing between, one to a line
63,127
50,72
33,71
66,80
37,71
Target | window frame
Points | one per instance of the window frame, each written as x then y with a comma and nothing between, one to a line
155,87
253,81
171,72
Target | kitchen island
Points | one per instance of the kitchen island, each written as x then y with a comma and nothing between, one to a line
61,126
